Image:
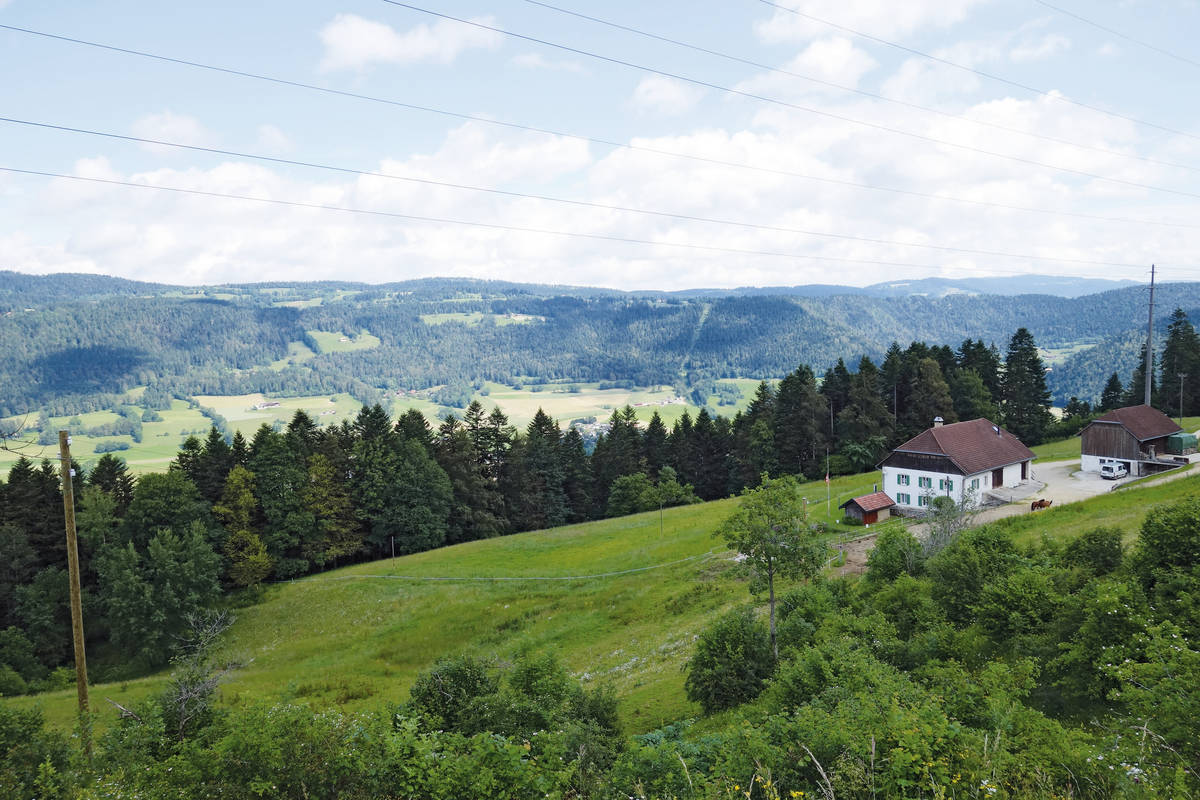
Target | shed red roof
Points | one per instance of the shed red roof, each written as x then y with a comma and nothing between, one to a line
1142,421
975,446
877,501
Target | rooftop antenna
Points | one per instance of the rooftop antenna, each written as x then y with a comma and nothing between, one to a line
1150,340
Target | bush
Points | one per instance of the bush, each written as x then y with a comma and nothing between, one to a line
447,693
25,747
732,662
897,552
1099,551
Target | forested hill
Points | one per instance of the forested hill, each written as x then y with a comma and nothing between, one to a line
70,343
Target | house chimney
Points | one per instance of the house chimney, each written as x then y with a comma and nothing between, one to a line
937,422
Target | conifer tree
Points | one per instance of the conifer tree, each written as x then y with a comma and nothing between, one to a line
1180,357
1113,395
1026,400
800,423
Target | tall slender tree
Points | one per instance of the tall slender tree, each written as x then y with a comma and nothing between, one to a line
1026,400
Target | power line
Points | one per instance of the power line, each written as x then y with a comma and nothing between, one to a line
1115,32
596,140
450,221
499,226
523,229
560,200
855,90
783,103
980,73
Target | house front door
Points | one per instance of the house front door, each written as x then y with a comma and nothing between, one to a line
997,478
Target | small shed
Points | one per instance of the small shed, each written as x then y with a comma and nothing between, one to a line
866,509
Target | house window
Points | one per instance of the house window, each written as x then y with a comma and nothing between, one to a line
903,499
923,500
975,483
902,480
925,483
945,485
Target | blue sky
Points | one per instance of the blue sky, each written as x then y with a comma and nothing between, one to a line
808,230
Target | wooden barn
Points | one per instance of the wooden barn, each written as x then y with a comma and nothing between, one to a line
866,509
1135,436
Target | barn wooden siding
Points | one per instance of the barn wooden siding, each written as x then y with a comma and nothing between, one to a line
1109,441
900,459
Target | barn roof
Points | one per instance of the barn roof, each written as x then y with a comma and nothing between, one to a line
974,446
1142,421
876,501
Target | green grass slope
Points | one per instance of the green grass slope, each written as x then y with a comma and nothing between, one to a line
618,600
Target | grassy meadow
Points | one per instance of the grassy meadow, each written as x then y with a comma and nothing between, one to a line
620,600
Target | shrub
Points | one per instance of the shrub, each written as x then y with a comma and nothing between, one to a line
1099,551
897,552
732,662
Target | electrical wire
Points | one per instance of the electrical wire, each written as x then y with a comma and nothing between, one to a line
784,103
560,200
980,73
499,226
1115,32
600,141
861,92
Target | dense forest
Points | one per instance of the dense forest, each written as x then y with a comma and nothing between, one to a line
71,346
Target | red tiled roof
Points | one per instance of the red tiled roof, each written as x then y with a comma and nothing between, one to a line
975,446
1143,422
871,502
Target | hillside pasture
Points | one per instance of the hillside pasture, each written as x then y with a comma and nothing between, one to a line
327,342
241,414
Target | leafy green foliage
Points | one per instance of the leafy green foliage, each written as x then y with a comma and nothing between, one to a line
732,662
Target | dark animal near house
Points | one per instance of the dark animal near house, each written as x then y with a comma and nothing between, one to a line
1039,504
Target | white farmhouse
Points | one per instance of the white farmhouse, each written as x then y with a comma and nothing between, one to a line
975,456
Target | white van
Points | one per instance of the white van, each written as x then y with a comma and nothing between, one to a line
1112,472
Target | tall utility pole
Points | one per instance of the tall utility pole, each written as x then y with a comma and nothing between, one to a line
68,493
1181,376
1150,340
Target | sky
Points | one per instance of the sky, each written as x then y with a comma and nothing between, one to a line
854,142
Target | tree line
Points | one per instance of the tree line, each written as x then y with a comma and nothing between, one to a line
233,513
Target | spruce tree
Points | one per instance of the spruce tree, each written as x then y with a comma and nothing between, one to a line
1113,395
1180,357
1026,400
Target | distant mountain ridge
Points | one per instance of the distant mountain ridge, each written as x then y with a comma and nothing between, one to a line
79,341
65,286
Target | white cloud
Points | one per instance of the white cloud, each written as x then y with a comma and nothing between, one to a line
168,126
1049,45
352,42
1108,50
658,94
884,18
538,61
274,139
835,60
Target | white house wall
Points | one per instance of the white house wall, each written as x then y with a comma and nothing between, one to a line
1012,475
894,488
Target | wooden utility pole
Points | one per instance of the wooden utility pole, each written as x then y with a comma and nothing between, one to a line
68,493
1150,340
